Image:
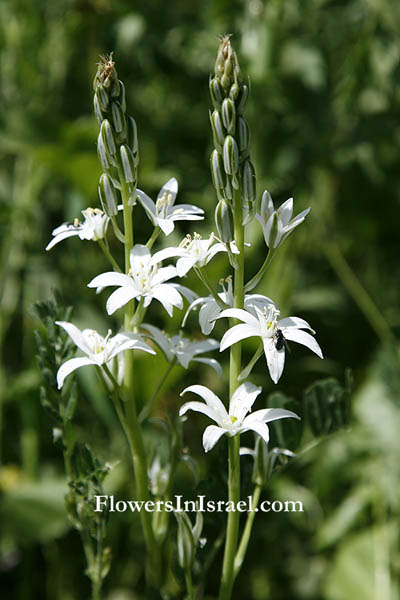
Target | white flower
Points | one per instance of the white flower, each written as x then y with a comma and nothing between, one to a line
210,309
272,331
199,252
236,420
183,349
145,280
278,224
94,227
99,350
163,213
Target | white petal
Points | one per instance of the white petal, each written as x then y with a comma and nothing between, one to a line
207,315
184,209
59,237
128,341
110,278
266,415
210,398
267,206
139,256
184,265
211,362
167,293
296,322
239,313
285,211
166,225
304,338
120,297
171,187
243,399
76,335
260,428
199,407
237,333
160,339
148,205
275,359
70,366
167,253
211,435
186,292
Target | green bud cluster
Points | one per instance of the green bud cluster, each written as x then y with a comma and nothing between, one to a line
231,165
117,143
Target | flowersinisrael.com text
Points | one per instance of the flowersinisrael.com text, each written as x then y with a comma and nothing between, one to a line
201,504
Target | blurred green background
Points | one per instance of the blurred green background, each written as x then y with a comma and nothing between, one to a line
325,118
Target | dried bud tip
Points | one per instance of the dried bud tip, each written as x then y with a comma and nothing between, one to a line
106,72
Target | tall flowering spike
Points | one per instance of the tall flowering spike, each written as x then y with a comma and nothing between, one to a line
117,144
231,165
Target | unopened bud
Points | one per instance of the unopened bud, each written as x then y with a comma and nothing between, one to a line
231,156
97,110
243,137
128,164
242,98
217,172
118,117
107,135
273,235
108,196
262,463
224,221
234,91
229,115
133,137
249,191
102,153
216,92
102,96
122,96
218,130
185,541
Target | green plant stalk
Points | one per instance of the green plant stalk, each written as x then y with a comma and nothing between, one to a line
205,281
189,584
244,542
109,256
232,532
258,276
133,429
153,237
148,409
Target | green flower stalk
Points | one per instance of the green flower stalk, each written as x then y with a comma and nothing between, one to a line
119,157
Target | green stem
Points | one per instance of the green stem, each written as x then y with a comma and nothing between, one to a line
204,279
232,531
148,409
258,276
244,542
134,433
189,584
109,256
153,237
248,368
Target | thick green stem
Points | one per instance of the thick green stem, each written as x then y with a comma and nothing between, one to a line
189,584
244,542
204,279
258,276
153,237
133,429
109,256
232,532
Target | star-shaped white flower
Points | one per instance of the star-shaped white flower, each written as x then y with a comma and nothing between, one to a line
237,420
199,252
94,227
182,349
163,213
99,350
145,280
273,333
210,309
278,224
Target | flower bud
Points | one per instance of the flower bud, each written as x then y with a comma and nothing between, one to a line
133,138
229,115
97,110
122,96
118,117
243,137
242,98
216,92
231,156
185,541
273,235
224,221
218,130
262,463
102,97
217,172
115,89
128,164
102,154
234,91
249,191
107,135
108,196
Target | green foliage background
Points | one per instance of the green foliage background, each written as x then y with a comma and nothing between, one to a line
324,114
